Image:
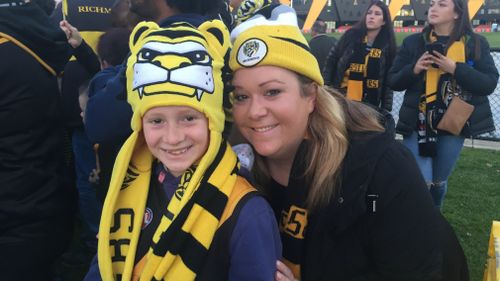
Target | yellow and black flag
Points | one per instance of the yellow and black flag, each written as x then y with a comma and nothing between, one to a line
91,17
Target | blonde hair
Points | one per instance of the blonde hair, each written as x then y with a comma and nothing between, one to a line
333,118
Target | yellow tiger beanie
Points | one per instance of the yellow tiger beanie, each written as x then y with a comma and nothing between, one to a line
276,41
176,66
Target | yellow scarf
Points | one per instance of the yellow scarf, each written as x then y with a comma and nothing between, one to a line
456,52
428,103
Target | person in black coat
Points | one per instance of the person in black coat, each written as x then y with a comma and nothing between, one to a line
350,200
358,65
36,200
321,43
461,65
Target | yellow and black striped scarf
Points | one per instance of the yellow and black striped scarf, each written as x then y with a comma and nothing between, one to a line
430,102
184,235
294,213
363,72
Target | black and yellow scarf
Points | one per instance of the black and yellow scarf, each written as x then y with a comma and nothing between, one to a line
363,72
431,103
184,235
294,214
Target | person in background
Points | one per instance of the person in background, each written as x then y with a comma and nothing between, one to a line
192,217
359,64
349,198
112,47
121,16
77,72
321,43
37,203
112,50
463,66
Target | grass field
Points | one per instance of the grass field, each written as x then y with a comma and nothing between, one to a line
472,202
492,37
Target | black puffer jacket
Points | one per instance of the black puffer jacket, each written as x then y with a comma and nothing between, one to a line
406,238
478,77
338,62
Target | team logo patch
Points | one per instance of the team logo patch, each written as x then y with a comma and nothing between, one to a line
252,52
148,217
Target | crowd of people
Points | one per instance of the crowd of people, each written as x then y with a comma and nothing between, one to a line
196,143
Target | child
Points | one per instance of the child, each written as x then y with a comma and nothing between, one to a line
176,208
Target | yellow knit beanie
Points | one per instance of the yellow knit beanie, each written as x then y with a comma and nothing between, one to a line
275,41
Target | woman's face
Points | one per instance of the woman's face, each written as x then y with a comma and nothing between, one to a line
374,18
441,12
270,110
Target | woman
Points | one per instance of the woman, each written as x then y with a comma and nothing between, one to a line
359,64
350,200
430,81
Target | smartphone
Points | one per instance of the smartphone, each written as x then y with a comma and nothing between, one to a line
436,46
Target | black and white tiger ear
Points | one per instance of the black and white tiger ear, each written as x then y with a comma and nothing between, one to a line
217,36
140,31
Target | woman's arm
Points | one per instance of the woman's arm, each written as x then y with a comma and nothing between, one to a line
331,65
403,238
401,75
478,77
387,93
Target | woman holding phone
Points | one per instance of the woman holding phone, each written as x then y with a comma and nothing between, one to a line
446,62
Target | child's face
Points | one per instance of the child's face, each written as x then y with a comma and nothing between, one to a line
177,135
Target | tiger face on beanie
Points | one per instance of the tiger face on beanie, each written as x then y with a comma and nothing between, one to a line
180,66
274,41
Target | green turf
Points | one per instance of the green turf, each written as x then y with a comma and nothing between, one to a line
472,202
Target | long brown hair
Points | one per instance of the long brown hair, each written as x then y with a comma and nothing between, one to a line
328,128
386,32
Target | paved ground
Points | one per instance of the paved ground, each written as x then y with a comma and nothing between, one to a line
494,145
474,143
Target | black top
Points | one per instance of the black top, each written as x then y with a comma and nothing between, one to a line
33,174
381,223
477,77
321,45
